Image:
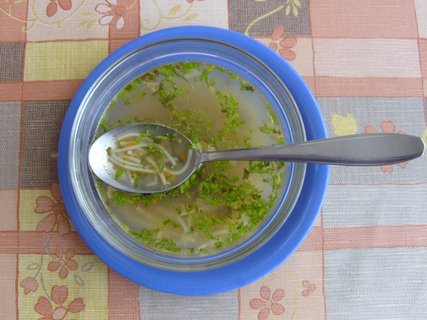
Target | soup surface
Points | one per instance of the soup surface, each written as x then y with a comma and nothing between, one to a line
222,202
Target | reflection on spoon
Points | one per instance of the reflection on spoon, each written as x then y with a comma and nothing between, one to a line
149,158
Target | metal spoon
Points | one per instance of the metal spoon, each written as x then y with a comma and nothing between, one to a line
354,150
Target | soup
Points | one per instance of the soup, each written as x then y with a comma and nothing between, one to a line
223,202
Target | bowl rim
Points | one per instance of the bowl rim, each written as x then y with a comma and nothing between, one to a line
256,264
133,65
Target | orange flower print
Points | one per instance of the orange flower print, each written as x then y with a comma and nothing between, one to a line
57,217
58,311
308,288
29,284
52,7
283,44
111,12
387,127
65,261
268,302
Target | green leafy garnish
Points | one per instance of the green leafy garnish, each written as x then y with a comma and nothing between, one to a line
119,173
103,125
151,237
246,86
233,121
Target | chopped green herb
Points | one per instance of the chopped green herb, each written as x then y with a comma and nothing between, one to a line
103,125
119,173
246,86
137,182
221,69
188,67
149,237
233,121
247,142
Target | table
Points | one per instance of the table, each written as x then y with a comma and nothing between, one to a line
366,62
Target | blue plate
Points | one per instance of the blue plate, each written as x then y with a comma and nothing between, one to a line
251,267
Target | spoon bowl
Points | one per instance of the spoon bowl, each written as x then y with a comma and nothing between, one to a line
353,150
104,169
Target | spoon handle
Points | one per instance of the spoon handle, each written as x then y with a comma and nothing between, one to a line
354,150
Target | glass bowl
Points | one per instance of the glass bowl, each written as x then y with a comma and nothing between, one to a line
280,232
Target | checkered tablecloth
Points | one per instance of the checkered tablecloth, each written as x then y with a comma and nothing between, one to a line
366,62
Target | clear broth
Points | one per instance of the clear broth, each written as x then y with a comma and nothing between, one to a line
191,223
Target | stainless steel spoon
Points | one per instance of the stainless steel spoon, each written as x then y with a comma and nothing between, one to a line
354,150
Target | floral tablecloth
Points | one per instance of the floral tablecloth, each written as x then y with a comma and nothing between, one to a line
366,62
